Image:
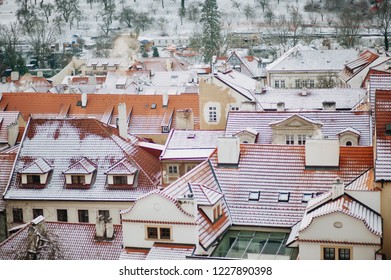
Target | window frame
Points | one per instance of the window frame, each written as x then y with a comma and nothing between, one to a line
33,179
63,214
289,139
78,179
120,180
105,213
212,114
301,139
158,233
340,252
284,196
17,215
83,215
37,212
171,168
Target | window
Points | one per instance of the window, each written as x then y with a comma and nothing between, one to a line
289,139
104,213
277,83
105,67
254,196
83,216
17,214
283,197
301,139
173,169
349,143
234,108
163,233
94,67
78,179
120,180
282,83
298,83
212,114
328,253
152,232
33,179
37,213
306,197
344,254
165,129
62,215
311,83
190,167
217,212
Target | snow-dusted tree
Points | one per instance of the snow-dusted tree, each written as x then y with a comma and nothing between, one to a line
126,16
26,16
108,9
296,25
193,11
155,52
262,3
248,11
348,26
269,15
182,13
211,39
40,39
66,8
10,57
46,11
383,21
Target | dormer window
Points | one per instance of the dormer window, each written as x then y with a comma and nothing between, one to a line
217,212
35,175
349,137
122,175
79,175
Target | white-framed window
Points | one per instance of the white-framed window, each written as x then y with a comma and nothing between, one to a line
212,114
307,197
33,179
301,139
336,253
217,212
254,196
289,139
173,170
282,83
311,83
78,179
276,83
297,83
234,108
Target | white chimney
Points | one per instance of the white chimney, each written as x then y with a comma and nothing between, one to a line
322,153
281,106
338,188
14,76
184,119
122,121
100,227
228,150
84,100
40,74
92,80
109,228
165,99
168,65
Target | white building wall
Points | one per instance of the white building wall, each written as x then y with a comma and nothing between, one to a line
369,198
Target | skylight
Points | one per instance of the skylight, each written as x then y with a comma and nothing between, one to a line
283,197
254,196
307,197
191,136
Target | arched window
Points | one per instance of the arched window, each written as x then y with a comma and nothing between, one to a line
348,143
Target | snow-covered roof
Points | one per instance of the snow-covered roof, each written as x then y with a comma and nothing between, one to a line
333,122
299,59
7,158
66,144
6,118
38,166
164,251
239,82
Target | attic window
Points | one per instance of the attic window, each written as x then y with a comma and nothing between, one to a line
254,196
191,136
307,197
283,197
153,106
388,129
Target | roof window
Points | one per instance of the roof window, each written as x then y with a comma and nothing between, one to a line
253,196
153,106
283,197
191,136
307,197
388,129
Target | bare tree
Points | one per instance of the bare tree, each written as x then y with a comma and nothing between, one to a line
26,16
193,11
348,26
10,57
296,24
66,8
383,20
40,39
262,3
248,11
46,11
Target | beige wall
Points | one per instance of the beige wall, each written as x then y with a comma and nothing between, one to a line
50,210
183,168
214,93
290,78
386,215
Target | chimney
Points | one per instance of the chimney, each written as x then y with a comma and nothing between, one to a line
228,150
329,106
122,121
84,100
3,80
184,119
165,99
109,228
92,80
188,203
281,106
40,74
168,65
321,153
14,76
338,188
100,227
36,237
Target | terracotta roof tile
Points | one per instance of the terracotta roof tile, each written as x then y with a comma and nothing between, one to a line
75,241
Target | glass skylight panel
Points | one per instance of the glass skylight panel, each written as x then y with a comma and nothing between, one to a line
307,197
254,196
283,197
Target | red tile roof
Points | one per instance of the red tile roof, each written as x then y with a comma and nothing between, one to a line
143,119
76,242
272,169
383,139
